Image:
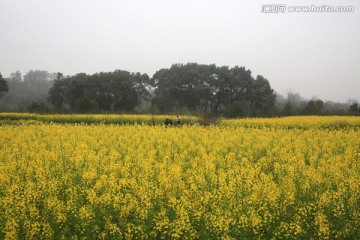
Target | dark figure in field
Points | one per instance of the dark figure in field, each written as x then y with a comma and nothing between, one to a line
168,122
178,120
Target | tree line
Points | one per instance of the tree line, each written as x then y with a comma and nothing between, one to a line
182,88
20,93
191,87
118,91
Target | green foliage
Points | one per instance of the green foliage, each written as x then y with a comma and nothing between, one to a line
236,109
118,91
354,109
57,92
314,107
212,89
3,85
193,88
35,107
34,88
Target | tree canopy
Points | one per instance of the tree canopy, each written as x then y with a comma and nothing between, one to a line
212,89
22,91
3,85
118,91
181,88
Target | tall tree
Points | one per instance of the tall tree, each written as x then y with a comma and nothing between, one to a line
37,76
354,109
3,85
16,76
164,98
182,86
262,97
57,92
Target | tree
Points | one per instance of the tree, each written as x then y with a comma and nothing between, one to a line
35,107
141,84
37,76
235,110
314,107
164,99
220,85
125,97
184,87
57,92
262,98
3,85
288,109
354,109
16,76
75,89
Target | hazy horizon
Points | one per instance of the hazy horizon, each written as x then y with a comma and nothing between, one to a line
312,53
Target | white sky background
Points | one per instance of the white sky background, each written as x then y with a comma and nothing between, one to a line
314,54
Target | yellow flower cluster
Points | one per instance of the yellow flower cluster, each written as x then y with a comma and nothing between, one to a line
99,118
303,122
144,182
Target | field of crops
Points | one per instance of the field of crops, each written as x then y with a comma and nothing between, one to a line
286,178
123,119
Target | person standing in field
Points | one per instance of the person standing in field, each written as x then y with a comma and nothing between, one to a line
168,122
178,120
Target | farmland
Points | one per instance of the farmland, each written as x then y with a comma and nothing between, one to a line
285,178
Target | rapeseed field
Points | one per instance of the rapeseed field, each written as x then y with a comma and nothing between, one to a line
235,180
123,119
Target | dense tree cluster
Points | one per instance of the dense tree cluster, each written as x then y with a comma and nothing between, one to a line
354,109
212,89
33,87
191,87
182,88
118,91
294,104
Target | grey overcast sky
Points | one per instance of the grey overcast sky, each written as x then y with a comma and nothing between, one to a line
316,54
